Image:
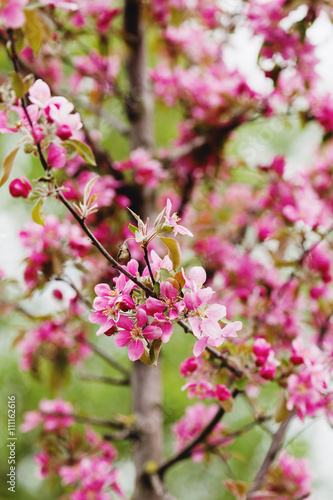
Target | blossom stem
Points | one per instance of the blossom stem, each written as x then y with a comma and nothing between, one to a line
148,264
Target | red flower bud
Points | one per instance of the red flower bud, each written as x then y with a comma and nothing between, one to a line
222,392
20,187
64,132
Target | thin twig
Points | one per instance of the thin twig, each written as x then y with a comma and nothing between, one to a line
131,434
87,420
104,379
148,264
109,359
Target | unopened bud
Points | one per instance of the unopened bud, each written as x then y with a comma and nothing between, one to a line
20,188
124,255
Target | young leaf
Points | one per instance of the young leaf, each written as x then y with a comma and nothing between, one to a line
7,165
164,274
37,213
132,228
155,350
237,488
88,188
17,84
227,405
281,411
83,150
180,279
33,30
174,251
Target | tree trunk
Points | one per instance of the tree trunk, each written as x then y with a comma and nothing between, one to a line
146,380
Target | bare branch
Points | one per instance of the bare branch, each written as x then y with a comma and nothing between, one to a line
103,379
187,451
109,359
270,456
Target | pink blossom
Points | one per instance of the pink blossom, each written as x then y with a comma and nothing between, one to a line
222,392
12,15
55,415
40,94
57,156
135,333
146,170
172,220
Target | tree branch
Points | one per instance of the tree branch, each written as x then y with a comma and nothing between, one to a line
270,456
187,451
109,359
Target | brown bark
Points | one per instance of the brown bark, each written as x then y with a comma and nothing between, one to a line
146,380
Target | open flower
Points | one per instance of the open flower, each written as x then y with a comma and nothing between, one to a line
172,220
134,334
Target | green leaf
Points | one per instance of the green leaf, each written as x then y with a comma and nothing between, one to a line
281,411
83,150
28,82
17,84
33,30
227,405
132,228
157,288
166,228
7,165
145,358
155,350
164,273
37,213
174,251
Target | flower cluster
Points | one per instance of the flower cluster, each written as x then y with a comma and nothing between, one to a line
55,341
138,321
83,462
202,380
49,247
55,415
287,479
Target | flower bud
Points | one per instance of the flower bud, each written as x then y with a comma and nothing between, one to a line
222,392
64,132
20,187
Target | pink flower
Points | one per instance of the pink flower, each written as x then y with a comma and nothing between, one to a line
222,392
261,349
12,14
269,369
61,4
53,414
172,220
40,93
307,390
20,187
135,334
108,305
57,156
